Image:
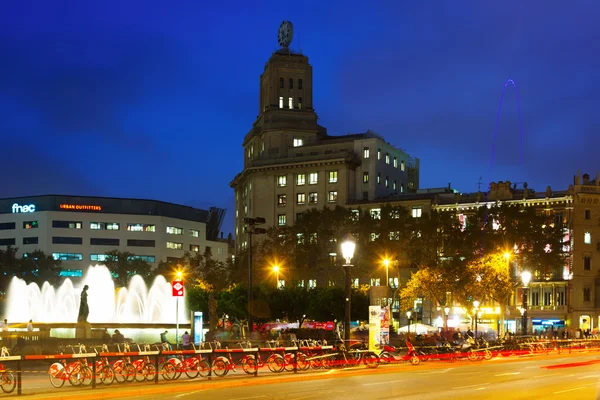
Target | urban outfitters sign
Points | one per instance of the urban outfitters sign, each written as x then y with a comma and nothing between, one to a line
16,208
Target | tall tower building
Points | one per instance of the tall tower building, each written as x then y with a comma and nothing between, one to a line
291,164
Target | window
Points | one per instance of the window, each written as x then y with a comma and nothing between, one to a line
30,225
354,282
333,176
281,85
194,247
560,296
312,198
299,103
299,83
395,162
379,154
98,257
332,198
280,101
365,177
174,246
394,185
282,180
141,243
67,256
587,238
330,283
291,81
66,240
586,294
402,165
366,152
300,238
546,296
281,283
194,233
375,213
374,236
588,214
393,282
281,219
378,178
66,224
313,178
220,251
171,230
7,225
402,188
587,263
301,283
141,228
71,273
534,298
300,179
387,181
290,103
354,215
148,259
104,242
109,226
417,212
298,142
281,200
30,240
375,282
300,198
312,283
387,158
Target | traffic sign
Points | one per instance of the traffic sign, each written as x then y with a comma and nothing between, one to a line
177,287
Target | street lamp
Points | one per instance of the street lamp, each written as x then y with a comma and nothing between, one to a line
408,314
348,253
179,277
526,278
386,263
476,306
276,270
251,229
446,312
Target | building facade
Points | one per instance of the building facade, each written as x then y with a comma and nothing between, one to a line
291,164
79,230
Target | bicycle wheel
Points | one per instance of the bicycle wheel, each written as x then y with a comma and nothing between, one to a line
276,363
129,372
302,363
249,365
107,375
203,368
370,360
289,361
191,369
85,375
57,375
118,368
487,355
168,371
74,377
220,367
7,382
149,371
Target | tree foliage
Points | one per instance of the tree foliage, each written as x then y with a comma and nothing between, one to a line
124,265
35,267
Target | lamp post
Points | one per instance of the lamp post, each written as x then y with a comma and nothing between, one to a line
348,253
526,278
386,263
502,329
251,229
446,312
408,314
276,270
179,277
476,306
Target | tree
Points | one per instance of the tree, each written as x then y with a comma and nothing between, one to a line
124,265
41,268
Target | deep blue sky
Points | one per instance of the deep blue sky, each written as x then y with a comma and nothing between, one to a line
152,99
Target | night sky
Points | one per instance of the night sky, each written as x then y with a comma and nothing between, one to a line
152,99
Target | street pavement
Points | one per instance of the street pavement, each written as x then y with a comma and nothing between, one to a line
563,376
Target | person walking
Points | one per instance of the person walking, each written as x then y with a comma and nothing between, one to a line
187,341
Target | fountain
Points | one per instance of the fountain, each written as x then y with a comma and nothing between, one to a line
135,304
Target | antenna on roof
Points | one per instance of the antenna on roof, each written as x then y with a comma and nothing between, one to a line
479,184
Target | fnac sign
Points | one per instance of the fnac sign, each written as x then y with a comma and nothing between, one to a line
16,208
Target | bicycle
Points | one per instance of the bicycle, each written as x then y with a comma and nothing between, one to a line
77,372
104,371
7,379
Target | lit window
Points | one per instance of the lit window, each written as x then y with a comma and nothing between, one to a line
374,236
332,198
393,282
300,179
220,251
394,185
402,165
366,152
312,198
141,228
395,162
281,102
330,283
301,198
333,176
281,283
387,158
100,257
378,178
30,225
402,188
71,272
290,103
67,256
194,247
301,283
354,215
379,154
148,259
281,200
195,232
174,245
300,238
281,219
312,283
375,213
66,224
281,180
171,230
262,145
299,103
375,282
354,283
587,238
417,212
313,178
387,182
365,177
298,142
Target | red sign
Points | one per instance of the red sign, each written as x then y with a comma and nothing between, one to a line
177,287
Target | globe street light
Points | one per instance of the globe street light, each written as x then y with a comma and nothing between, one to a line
526,278
276,270
348,253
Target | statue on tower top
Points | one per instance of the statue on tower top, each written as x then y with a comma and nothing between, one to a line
284,36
